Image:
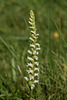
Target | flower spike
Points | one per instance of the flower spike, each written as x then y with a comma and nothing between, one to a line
33,64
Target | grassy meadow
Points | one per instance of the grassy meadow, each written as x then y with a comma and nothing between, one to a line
51,23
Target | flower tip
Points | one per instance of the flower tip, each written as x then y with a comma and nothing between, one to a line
31,10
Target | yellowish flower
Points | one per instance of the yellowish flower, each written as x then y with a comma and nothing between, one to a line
13,1
3,5
56,34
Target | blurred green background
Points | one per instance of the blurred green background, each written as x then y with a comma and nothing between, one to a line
51,17
14,28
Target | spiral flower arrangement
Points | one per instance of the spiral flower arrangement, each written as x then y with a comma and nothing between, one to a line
33,64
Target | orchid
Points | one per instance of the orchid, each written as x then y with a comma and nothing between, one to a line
33,64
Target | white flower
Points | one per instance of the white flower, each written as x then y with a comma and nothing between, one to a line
31,77
38,48
30,19
33,32
36,81
37,34
32,86
26,78
31,23
29,52
32,45
36,69
34,52
27,71
37,53
32,27
30,64
31,59
36,58
31,39
36,74
34,36
31,71
37,44
37,63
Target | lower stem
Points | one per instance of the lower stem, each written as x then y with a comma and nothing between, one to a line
31,95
